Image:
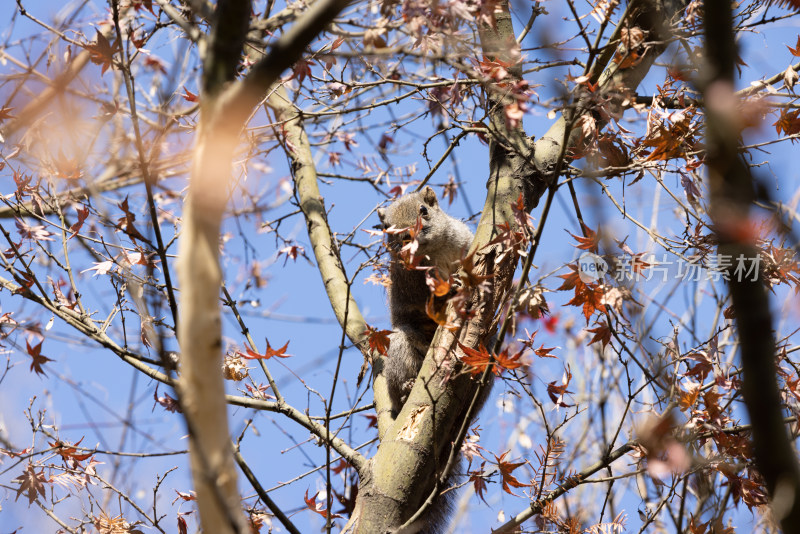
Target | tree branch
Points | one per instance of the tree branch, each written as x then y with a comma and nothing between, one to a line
435,408
732,194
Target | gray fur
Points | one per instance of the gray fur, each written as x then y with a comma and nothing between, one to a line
443,240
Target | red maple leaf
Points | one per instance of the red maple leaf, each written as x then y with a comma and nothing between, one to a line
477,360
588,242
703,366
188,95
509,480
591,298
292,251
314,506
550,323
557,391
25,281
38,360
602,333
253,355
796,50
496,70
788,122
155,64
438,285
147,4
5,113
372,420
102,52
378,339
83,213
300,70
126,223
32,483
506,361
186,497
69,451
478,480
571,280
138,40
169,404
543,352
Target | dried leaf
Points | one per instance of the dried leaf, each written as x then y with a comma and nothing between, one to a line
31,483
602,333
101,52
506,470
35,352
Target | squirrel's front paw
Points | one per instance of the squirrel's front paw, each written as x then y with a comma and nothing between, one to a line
405,389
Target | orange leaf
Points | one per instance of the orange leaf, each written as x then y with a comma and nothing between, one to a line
796,50
188,95
789,122
669,142
5,113
438,285
509,480
378,339
506,361
68,451
686,399
314,506
438,316
571,280
477,360
602,333
627,60
544,353
589,242
253,355
591,298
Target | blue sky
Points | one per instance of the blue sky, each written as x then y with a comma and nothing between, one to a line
90,393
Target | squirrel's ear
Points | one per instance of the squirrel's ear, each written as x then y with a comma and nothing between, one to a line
429,196
382,215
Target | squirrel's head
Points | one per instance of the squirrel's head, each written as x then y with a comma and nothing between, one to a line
405,212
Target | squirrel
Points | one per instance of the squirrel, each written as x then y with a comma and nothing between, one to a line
421,237
441,241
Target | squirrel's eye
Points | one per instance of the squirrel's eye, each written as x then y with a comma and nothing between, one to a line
423,210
